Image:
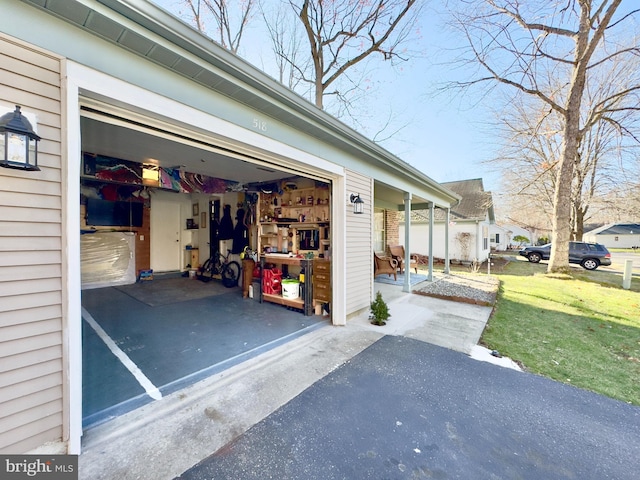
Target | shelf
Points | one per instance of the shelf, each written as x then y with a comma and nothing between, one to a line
280,300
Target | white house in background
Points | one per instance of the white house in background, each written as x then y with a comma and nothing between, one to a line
615,235
469,223
499,237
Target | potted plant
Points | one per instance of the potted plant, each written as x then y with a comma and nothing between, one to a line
379,311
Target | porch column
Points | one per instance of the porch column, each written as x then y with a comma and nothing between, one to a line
431,214
447,219
406,286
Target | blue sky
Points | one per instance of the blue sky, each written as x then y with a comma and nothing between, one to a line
446,135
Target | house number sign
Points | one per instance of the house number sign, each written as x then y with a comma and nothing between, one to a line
259,124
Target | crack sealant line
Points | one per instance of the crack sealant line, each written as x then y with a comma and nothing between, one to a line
142,379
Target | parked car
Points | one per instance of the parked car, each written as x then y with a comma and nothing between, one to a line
589,255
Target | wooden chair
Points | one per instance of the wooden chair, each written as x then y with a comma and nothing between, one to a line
383,265
397,253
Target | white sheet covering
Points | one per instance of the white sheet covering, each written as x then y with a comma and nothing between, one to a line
107,259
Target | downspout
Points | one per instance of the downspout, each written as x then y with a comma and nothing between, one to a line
406,286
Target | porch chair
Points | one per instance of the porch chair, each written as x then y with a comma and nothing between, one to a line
397,253
384,264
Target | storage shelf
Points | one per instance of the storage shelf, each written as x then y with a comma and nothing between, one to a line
289,302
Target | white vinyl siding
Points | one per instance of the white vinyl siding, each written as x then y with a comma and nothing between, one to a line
31,246
359,248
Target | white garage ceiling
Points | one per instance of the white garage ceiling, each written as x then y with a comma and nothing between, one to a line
124,143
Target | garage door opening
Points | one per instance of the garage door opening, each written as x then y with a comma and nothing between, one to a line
154,208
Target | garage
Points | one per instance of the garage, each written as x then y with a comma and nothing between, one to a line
150,134
155,206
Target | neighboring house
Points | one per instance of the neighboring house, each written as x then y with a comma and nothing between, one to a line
499,237
464,236
122,88
532,234
615,235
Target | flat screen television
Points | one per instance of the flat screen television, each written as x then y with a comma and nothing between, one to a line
114,214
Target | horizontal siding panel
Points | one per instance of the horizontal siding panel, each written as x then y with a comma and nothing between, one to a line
50,167
23,229
27,388
33,329
30,358
30,70
31,185
39,413
21,244
31,401
30,272
20,302
23,345
22,214
26,99
30,258
52,134
15,378
29,56
24,440
32,315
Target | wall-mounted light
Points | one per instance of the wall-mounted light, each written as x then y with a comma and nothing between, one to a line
358,204
18,142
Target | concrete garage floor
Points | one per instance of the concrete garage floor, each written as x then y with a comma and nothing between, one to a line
144,341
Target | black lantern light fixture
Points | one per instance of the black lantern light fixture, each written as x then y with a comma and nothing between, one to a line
358,204
18,142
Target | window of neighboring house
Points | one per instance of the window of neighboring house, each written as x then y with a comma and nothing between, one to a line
493,238
378,230
485,238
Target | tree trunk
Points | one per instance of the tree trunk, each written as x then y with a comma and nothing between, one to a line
559,258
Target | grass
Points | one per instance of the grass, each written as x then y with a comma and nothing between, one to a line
582,329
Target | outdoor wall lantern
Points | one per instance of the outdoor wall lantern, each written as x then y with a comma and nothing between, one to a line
18,142
358,204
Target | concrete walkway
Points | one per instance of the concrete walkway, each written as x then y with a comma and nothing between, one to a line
163,439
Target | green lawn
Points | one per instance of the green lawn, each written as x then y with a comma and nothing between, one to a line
582,329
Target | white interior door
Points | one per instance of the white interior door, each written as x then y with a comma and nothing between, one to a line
165,235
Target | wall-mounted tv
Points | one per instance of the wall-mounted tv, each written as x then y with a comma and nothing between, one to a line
114,214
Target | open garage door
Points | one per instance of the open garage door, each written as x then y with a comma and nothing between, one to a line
174,330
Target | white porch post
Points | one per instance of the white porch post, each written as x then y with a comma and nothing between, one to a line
431,213
446,240
406,286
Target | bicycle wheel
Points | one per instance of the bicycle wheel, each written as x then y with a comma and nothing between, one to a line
230,274
205,271
217,267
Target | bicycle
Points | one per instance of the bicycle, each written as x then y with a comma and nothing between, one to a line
220,264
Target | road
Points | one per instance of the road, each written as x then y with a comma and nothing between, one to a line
618,260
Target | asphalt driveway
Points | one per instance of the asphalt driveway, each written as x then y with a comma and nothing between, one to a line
403,408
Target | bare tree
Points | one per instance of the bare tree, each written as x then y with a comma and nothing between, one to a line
521,44
342,34
230,20
286,41
532,146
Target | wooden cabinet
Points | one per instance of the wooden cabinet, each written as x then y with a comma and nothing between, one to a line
321,280
191,258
